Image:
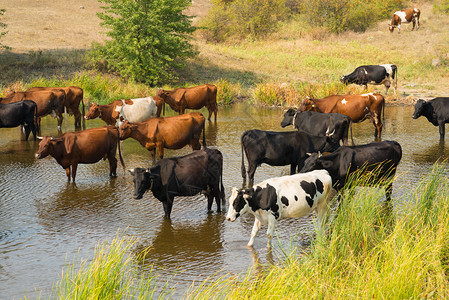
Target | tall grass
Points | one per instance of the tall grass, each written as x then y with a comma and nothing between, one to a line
114,273
370,252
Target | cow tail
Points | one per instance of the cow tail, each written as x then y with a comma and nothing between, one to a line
383,112
84,120
204,134
120,153
243,160
222,190
36,123
352,139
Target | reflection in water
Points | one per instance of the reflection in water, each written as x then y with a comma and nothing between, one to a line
432,153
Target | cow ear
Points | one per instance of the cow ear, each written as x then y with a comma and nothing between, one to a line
69,143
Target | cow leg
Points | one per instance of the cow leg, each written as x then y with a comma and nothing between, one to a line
168,204
74,168
399,28
60,119
414,23
388,192
112,165
441,129
251,170
256,228
292,169
67,172
160,148
27,132
77,115
210,113
387,86
270,230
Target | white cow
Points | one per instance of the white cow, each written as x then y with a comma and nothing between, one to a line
135,110
291,196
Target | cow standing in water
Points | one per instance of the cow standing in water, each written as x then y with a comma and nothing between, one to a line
436,111
192,98
86,147
19,113
405,16
282,197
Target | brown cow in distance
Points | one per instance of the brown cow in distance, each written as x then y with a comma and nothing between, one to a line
72,100
405,16
48,102
170,132
357,107
191,98
86,147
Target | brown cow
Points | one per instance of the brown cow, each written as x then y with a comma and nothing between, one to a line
133,110
72,100
86,147
48,102
405,16
192,98
357,107
170,132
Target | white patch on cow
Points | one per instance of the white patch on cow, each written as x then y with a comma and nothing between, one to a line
344,101
415,10
401,15
388,68
140,110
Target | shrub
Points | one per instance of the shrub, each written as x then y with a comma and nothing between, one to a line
242,18
226,91
441,6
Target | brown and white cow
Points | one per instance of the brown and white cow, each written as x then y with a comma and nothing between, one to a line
405,16
133,110
191,98
170,132
48,102
72,100
357,107
86,147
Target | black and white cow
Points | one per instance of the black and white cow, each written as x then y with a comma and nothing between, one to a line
291,196
19,113
198,172
382,157
435,110
281,149
373,74
319,124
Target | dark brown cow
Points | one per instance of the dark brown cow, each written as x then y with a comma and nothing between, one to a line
170,132
48,102
405,16
72,100
357,107
133,110
191,98
86,147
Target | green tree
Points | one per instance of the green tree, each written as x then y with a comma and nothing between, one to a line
2,25
149,39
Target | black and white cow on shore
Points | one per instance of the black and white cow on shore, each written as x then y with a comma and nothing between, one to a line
382,157
373,74
435,110
320,124
198,172
281,149
19,113
291,196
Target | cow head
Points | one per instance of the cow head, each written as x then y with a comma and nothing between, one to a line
162,94
391,27
307,105
312,163
45,146
288,117
125,130
94,112
238,203
344,79
419,108
143,180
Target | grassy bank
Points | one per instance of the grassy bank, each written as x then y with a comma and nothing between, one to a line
370,251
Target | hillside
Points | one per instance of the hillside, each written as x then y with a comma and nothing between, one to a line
67,28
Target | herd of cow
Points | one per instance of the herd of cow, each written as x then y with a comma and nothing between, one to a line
320,125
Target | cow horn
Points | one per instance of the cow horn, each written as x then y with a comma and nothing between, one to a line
39,137
330,134
131,171
319,154
309,154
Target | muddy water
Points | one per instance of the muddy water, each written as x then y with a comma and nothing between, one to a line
44,221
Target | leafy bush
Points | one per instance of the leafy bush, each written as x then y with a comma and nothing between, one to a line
226,91
149,38
441,6
242,18
342,15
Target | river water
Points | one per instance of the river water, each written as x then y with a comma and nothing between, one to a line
46,222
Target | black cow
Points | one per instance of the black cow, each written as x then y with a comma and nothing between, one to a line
383,157
435,110
197,172
373,74
280,149
19,113
319,124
